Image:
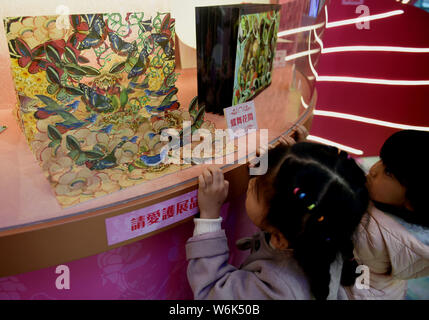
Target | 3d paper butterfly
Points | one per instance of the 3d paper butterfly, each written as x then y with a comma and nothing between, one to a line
95,101
32,57
97,32
164,38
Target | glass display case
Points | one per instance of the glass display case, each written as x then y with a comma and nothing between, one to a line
34,225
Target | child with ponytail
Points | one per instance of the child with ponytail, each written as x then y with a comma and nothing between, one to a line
307,207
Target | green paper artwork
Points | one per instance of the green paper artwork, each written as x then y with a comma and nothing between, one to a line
256,45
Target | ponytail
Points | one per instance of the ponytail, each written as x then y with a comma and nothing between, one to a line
326,197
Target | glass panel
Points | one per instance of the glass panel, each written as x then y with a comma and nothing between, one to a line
28,197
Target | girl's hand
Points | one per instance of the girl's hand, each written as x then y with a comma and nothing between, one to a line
300,133
212,192
286,141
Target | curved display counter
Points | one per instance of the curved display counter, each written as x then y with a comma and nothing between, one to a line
33,224
37,234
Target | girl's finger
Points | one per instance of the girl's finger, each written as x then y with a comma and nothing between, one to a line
286,140
226,187
302,132
217,175
208,177
201,182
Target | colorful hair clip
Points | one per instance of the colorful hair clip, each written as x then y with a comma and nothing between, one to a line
295,191
321,218
349,156
311,206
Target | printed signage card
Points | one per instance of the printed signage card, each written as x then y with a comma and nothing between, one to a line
137,223
241,118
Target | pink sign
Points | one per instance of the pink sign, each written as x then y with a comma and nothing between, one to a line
241,118
137,223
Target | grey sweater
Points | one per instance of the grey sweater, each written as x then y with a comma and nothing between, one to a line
266,274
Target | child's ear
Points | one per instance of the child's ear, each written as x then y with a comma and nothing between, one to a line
278,240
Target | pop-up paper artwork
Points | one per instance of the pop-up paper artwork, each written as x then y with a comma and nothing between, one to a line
94,92
235,52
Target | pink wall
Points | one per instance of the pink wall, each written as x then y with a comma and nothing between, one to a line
152,268
399,104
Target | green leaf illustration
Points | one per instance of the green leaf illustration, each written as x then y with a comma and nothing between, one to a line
199,119
94,154
123,97
53,133
53,54
53,88
74,91
193,105
62,94
75,70
118,67
82,59
74,154
53,75
90,71
70,55
72,143
21,47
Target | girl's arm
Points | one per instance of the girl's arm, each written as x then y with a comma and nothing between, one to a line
211,277
209,274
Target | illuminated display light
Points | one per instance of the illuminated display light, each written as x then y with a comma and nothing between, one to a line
359,79
352,117
375,48
368,48
301,54
374,81
368,120
360,19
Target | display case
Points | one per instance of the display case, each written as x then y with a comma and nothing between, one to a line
36,232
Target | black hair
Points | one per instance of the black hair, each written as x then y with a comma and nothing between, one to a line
405,154
317,199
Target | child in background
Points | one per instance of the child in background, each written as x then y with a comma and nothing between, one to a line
307,206
392,239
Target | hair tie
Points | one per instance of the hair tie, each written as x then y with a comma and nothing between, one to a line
311,206
349,156
321,218
302,195
295,191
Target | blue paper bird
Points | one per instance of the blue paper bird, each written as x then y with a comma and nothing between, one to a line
72,107
52,108
72,123
107,129
155,160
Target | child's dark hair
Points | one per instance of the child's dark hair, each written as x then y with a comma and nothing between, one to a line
406,155
317,199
